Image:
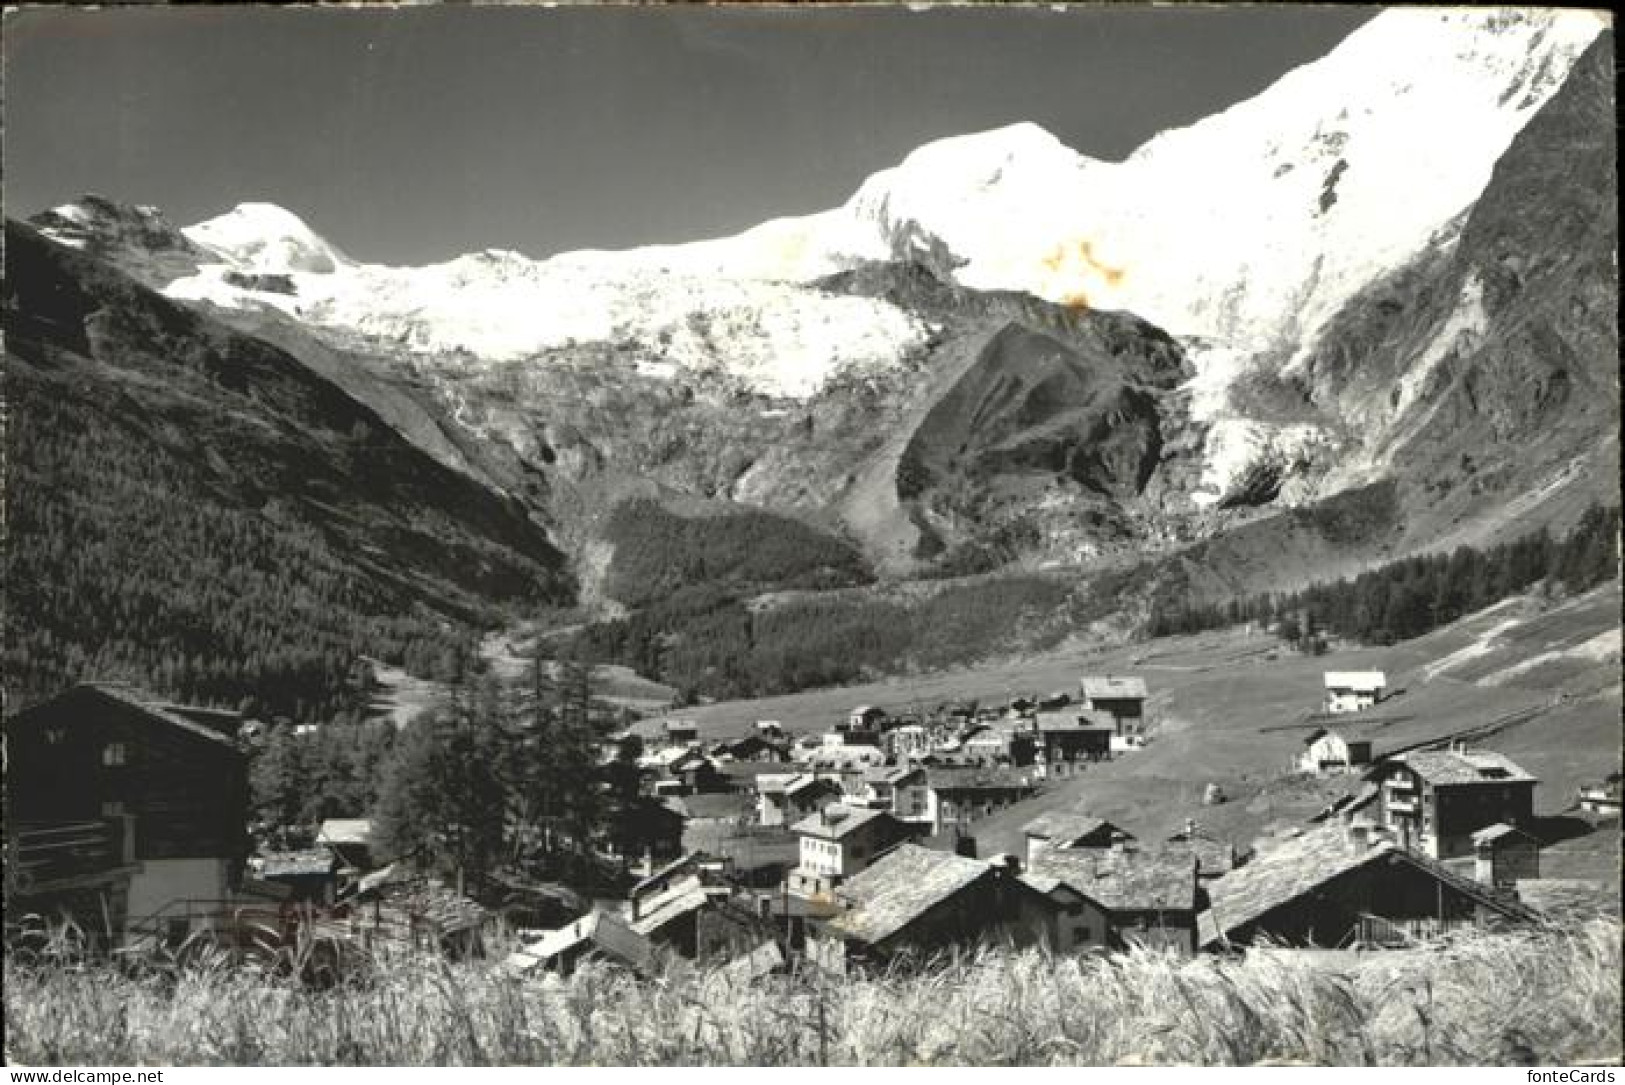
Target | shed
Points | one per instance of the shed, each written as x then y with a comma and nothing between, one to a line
1504,855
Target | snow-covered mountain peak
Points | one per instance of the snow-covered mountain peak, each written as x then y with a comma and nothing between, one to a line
264,239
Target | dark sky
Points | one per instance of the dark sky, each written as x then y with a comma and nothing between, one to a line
414,134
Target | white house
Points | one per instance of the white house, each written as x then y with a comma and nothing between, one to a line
1327,753
1353,691
838,842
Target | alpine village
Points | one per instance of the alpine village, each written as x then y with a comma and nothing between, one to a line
376,692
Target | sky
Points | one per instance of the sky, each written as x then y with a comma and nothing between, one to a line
414,134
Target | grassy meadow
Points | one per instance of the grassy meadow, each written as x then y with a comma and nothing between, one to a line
1543,996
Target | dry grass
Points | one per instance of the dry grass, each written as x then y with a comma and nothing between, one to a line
1548,996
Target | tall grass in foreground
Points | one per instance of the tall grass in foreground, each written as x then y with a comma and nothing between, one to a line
1547,996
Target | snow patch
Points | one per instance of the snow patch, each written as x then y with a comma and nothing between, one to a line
1602,648
1484,645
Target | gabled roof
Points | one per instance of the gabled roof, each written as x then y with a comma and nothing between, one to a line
1074,719
1452,767
663,874
749,770
1067,825
1499,831
147,704
900,888
836,821
1114,687
604,932
891,774
297,864
978,779
684,896
1302,865
1361,681
1127,881
345,831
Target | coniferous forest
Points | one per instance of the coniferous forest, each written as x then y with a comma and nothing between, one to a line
1409,597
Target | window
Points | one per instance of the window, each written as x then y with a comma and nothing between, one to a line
54,736
113,754
1081,934
112,809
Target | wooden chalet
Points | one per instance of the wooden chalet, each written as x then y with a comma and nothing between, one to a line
596,936
1433,801
960,796
124,811
1067,741
1067,829
915,903
1333,887
1504,856
1328,753
1117,898
1122,697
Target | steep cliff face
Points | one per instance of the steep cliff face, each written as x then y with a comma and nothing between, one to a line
1484,376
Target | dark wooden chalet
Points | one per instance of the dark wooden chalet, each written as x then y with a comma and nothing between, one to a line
1433,801
915,903
124,810
1332,887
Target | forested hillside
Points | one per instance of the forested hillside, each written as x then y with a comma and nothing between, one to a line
195,511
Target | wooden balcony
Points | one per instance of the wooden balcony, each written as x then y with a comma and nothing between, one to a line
50,857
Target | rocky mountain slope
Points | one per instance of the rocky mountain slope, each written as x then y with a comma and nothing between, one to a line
1392,269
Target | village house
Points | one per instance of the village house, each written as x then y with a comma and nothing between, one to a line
1000,745
1433,801
864,718
1215,857
838,842
1129,897
839,759
597,935
118,805
1329,753
902,791
350,840
752,748
771,729
1066,829
1067,741
680,732
648,829
309,877
914,903
1120,697
905,743
740,776
1335,885
1503,856
786,799
1353,691
957,797
689,908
